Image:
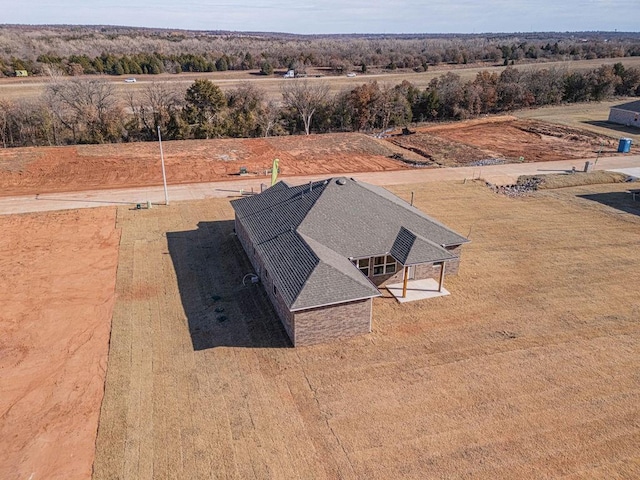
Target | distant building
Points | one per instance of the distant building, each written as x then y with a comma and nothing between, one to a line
626,114
323,249
22,73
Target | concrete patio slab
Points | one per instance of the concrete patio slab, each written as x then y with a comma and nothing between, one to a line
417,290
632,172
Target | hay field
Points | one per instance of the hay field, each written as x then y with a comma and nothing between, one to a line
528,370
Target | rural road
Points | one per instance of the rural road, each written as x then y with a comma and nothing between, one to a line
499,174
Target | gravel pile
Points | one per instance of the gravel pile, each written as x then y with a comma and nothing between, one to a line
519,189
487,161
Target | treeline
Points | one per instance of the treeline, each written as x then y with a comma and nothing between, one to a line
126,51
140,63
76,111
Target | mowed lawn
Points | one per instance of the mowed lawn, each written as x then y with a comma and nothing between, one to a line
529,369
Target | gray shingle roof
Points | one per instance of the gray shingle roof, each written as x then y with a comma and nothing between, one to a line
630,106
307,236
411,249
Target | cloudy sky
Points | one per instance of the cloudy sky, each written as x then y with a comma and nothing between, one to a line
335,16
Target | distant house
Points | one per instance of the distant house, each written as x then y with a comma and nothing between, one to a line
22,73
626,114
322,250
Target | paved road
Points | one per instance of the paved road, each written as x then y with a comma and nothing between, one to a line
499,174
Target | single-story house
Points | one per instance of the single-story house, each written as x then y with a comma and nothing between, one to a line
323,249
626,114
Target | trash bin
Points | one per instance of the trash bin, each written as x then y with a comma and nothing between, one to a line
624,146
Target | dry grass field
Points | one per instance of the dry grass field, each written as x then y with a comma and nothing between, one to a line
528,370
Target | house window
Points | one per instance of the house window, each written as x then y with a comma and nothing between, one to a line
363,265
384,265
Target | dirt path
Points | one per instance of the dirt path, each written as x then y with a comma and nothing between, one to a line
57,274
498,174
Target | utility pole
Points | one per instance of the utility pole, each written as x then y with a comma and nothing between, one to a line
164,175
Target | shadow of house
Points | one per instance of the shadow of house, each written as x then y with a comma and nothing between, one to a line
622,201
628,131
210,264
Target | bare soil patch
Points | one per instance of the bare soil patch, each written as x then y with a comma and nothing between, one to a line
585,116
87,167
506,138
57,282
528,370
90,167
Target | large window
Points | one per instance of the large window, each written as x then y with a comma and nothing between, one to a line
363,266
384,265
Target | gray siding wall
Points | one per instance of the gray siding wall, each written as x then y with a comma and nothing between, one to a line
624,117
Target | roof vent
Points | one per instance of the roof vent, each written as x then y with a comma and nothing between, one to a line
341,181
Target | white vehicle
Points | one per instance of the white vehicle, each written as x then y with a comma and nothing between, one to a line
351,74
130,80
290,74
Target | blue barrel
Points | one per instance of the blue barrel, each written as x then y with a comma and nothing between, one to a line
624,146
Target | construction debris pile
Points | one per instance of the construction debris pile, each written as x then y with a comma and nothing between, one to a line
487,161
523,187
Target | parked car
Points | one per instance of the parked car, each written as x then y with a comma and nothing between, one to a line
351,74
130,80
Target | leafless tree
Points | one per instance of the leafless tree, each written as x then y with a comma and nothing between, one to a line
305,97
269,118
154,106
88,108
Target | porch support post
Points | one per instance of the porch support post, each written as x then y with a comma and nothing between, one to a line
441,277
404,282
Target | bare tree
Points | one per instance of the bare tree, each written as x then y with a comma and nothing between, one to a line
269,118
88,108
305,97
153,107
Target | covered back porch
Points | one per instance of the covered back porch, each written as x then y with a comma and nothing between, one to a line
412,288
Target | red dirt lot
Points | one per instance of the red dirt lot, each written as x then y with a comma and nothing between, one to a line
57,282
505,137
88,167
25,171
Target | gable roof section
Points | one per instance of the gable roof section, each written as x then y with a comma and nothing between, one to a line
411,249
308,236
334,280
630,107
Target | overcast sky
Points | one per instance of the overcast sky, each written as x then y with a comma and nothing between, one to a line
335,16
